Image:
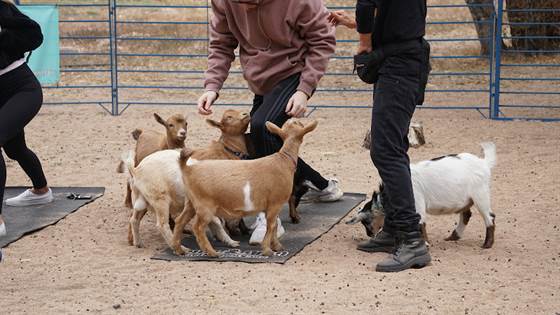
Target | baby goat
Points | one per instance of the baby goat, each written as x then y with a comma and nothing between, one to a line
156,182
234,189
148,142
445,185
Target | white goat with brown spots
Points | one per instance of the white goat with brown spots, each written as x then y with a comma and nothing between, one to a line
445,185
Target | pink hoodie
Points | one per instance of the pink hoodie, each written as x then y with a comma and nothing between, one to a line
276,39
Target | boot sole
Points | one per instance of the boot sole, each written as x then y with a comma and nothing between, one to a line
377,249
416,262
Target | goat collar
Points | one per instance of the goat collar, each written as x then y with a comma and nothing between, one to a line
290,158
240,155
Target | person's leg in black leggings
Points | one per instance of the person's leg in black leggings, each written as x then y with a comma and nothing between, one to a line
272,107
20,100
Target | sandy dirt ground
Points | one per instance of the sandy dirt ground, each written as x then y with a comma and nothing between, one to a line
84,265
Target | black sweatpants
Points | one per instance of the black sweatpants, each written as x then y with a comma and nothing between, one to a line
395,98
272,107
21,98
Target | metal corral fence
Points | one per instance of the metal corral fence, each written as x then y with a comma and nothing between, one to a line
117,53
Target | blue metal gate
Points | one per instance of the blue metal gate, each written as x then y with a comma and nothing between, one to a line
118,53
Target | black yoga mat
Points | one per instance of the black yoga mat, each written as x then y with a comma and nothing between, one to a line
24,220
316,219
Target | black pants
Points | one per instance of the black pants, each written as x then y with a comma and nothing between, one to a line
272,107
395,99
21,98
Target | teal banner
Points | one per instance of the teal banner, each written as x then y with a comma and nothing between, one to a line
45,60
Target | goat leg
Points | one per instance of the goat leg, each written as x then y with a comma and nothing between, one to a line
424,232
490,230
180,222
298,190
128,198
134,228
199,229
243,227
463,221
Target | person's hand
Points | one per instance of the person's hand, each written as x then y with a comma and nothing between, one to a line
297,105
365,44
341,17
205,101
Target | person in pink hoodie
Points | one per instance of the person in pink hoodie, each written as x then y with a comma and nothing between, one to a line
284,49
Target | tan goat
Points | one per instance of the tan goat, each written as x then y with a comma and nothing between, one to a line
157,184
234,189
148,142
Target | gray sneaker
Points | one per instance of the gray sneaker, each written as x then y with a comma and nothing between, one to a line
330,194
411,252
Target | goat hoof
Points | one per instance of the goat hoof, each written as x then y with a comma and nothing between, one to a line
213,254
234,244
453,237
296,219
267,252
487,245
139,244
181,250
277,248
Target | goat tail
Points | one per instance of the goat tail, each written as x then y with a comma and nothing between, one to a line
489,149
127,164
123,163
184,157
136,134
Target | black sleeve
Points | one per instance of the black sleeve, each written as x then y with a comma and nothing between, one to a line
19,32
365,10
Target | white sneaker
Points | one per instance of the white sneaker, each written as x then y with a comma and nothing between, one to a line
259,229
329,194
28,198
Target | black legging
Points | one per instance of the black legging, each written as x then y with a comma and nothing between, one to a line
21,98
272,107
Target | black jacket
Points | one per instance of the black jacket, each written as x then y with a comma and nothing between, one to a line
395,20
19,34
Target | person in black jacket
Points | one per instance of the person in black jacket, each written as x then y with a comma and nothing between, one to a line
20,99
401,76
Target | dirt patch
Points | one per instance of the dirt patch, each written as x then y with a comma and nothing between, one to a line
83,264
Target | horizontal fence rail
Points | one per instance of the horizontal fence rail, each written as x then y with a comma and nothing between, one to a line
118,53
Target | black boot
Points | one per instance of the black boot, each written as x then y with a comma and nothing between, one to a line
411,252
381,242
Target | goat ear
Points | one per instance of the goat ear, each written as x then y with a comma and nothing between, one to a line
310,127
213,123
275,129
159,119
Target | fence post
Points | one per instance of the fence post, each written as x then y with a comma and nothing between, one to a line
113,57
495,110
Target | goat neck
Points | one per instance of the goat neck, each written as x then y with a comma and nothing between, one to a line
235,145
290,149
174,143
